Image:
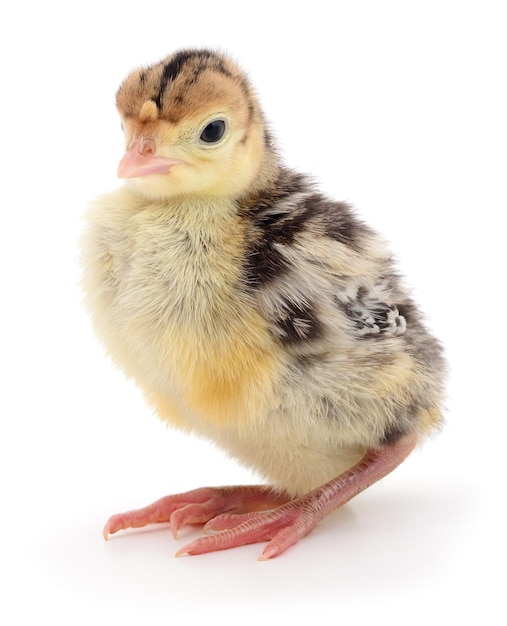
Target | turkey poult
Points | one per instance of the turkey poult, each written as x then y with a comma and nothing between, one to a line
252,310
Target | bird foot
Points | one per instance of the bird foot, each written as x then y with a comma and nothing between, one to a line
197,507
282,527
236,516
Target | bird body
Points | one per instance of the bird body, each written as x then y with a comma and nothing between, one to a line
247,306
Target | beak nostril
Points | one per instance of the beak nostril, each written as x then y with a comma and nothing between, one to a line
144,146
147,146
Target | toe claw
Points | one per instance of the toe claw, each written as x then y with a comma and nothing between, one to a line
174,530
182,552
268,553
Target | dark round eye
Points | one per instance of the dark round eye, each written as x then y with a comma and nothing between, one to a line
213,132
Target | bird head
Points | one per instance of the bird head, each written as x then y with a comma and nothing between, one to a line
193,126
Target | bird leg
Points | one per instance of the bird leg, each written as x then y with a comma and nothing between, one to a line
251,514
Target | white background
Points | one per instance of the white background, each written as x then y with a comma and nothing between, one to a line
397,107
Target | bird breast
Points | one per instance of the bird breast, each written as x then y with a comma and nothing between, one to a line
167,303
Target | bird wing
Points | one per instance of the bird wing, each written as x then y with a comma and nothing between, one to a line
317,270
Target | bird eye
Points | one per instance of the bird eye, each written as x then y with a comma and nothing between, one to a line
213,132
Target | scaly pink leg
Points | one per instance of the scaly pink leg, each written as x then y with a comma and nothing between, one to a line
235,510
290,522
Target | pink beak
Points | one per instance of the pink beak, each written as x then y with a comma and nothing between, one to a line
140,160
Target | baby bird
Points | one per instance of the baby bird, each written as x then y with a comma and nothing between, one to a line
252,310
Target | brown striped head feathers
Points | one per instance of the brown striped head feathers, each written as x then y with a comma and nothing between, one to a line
193,127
